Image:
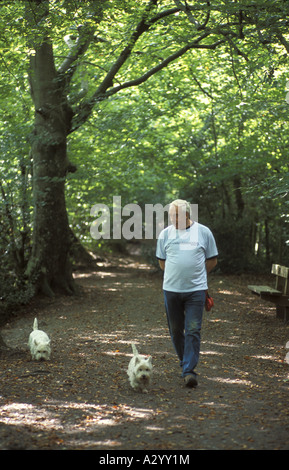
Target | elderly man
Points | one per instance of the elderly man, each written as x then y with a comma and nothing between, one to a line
187,252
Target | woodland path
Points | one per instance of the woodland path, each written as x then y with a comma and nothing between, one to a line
81,399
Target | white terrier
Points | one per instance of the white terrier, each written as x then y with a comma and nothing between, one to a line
139,371
39,343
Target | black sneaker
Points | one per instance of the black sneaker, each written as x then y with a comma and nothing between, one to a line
190,381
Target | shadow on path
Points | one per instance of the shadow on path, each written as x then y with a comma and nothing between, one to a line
81,399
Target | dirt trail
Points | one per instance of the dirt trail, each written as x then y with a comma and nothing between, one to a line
81,399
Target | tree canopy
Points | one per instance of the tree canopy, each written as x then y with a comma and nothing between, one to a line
149,100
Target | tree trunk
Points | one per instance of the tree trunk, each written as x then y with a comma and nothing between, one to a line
238,196
49,266
3,345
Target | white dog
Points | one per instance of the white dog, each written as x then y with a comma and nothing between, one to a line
39,343
139,371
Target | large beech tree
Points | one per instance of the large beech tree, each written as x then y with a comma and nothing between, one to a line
82,53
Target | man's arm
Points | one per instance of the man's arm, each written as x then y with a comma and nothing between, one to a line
162,263
210,264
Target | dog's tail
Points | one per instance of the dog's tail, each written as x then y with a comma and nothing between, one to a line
134,349
35,324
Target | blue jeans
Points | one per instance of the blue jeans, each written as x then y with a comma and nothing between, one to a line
184,314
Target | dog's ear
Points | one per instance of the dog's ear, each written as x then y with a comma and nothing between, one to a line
137,359
149,359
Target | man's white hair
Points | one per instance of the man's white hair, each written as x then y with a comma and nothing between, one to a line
182,203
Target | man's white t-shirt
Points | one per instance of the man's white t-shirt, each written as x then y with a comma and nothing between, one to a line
185,253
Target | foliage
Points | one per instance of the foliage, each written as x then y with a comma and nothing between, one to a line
152,123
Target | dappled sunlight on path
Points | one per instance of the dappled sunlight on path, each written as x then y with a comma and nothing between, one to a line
81,399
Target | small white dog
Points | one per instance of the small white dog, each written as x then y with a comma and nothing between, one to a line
39,343
139,371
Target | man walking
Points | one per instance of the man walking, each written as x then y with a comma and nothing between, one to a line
187,252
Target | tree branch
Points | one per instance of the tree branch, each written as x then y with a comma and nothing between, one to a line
200,86
141,28
162,65
283,41
82,43
106,88
186,9
85,111
236,49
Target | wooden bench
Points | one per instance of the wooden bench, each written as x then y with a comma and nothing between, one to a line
278,296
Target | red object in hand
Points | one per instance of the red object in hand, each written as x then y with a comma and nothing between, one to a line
209,303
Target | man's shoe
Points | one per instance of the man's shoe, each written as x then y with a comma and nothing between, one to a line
191,381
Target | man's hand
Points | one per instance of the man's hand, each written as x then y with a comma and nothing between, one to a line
162,263
210,264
